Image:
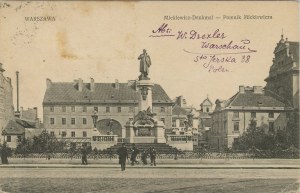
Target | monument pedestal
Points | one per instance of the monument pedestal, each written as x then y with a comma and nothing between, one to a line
159,128
145,92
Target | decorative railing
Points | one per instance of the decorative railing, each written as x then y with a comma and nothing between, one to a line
121,140
105,138
179,138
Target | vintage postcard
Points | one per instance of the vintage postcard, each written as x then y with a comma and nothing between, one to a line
142,96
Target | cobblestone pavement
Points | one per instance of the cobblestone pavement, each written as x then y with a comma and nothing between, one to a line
149,180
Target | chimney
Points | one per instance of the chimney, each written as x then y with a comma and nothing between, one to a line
258,89
80,84
241,89
17,77
35,112
117,85
21,113
1,69
48,83
92,85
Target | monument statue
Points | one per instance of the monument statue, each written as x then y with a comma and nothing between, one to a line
145,63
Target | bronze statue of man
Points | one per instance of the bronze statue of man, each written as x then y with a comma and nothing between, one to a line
145,63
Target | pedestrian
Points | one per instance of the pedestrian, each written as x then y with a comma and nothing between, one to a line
84,157
134,153
4,153
153,156
144,157
123,155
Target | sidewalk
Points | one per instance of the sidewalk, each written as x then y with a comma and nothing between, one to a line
161,163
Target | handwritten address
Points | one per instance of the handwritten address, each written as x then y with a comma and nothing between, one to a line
213,56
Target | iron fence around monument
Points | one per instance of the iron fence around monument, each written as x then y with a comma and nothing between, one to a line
259,154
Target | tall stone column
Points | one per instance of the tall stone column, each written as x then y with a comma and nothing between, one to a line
145,92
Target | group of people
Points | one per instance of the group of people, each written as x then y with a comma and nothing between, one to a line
123,156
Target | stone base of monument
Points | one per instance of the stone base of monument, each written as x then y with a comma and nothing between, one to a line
145,133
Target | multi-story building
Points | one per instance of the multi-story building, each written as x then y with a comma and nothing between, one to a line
68,108
185,119
232,117
6,100
283,79
205,121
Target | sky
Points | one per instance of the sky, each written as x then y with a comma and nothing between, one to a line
104,39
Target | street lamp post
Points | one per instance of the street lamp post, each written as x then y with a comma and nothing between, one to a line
95,118
110,126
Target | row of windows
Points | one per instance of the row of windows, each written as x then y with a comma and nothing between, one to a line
236,126
73,133
96,109
64,121
8,138
253,115
84,121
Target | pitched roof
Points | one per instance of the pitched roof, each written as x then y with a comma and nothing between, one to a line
251,99
67,92
17,127
13,128
206,101
179,111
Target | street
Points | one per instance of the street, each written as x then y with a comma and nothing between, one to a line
148,180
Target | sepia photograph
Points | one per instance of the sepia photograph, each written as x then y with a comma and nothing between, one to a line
149,96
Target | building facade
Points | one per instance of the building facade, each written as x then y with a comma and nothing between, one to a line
185,120
283,79
231,117
6,100
68,108
205,121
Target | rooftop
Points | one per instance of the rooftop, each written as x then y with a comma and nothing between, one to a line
69,92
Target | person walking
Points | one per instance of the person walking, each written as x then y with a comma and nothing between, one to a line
84,157
153,156
123,155
144,157
4,153
134,153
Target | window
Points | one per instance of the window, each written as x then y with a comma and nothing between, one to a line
84,109
72,121
271,126
84,134
119,109
84,121
63,109
173,123
107,109
73,134
52,121
163,120
162,109
63,121
235,140
52,133
181,123
131,109
271,115
95,109
8,138
64,134
207,109
253,114
51,109
235,114
236,126
73,108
